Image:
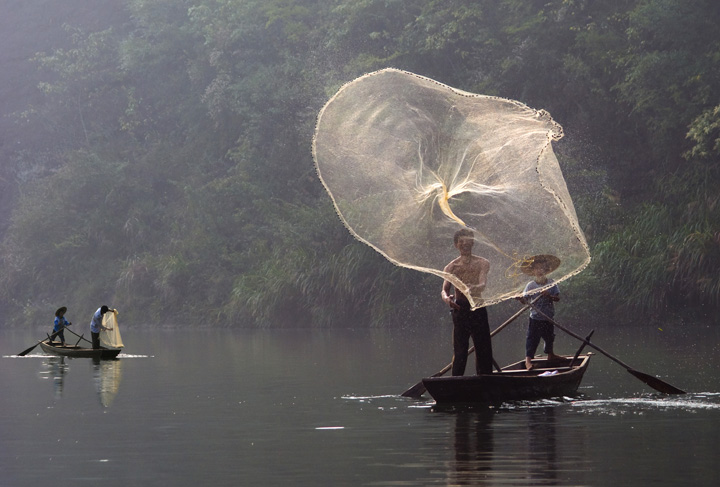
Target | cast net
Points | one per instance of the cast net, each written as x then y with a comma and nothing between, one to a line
111,338
408,161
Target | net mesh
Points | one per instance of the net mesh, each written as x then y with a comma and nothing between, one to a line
111,338
408,161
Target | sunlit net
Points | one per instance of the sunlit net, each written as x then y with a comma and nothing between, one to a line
408,161
111,338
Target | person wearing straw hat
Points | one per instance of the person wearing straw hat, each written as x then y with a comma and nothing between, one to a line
538,327
60,324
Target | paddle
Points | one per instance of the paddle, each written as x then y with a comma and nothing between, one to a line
82,337
653,382
577,354
418,389
25,352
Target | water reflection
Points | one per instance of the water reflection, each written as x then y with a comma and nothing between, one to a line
474,446
521,449
56,370
542,446
107,375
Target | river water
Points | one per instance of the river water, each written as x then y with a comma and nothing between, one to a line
323,407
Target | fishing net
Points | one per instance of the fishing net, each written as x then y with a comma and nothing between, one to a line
111,338
408,161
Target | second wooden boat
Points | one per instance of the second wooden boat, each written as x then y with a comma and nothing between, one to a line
55,348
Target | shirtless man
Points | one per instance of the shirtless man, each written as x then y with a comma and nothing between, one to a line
472,270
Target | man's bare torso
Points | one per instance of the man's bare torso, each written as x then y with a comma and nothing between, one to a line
471,270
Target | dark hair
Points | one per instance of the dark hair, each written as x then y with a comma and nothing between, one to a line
103,309
463,232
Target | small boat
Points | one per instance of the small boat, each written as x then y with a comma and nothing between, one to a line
66,350
513,383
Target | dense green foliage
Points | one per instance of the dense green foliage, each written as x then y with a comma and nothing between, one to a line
167,171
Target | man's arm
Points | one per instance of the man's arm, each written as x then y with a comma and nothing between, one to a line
445,293
484,271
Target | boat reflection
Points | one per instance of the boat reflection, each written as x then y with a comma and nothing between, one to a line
542,457
56,370
107,375
519,450
474,447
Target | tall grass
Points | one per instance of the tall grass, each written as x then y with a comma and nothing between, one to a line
669,255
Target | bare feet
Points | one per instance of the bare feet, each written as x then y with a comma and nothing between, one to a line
528,363
552,357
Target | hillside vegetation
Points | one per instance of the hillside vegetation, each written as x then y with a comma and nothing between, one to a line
159,159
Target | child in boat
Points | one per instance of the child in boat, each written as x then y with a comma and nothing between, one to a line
60,324
538,326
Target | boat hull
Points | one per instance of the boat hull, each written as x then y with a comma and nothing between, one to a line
514,383
80,352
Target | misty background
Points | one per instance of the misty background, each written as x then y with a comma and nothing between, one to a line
155,154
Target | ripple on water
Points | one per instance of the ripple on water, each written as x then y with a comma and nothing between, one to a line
686,402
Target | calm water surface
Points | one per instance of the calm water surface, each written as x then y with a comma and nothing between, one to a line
313,407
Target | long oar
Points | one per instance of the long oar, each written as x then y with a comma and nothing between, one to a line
79,336
418,389
25,352
653,382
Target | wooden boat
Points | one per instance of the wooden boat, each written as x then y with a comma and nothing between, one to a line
513,383
56,348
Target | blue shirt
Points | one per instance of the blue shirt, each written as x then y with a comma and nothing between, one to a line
60,322
96,322
544,303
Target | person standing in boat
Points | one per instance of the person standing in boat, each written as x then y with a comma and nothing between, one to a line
96,325
59,325
538,326
472,270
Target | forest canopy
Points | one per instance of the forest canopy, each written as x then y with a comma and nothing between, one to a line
156,154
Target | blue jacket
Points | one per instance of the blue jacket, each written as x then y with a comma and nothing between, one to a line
60,322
